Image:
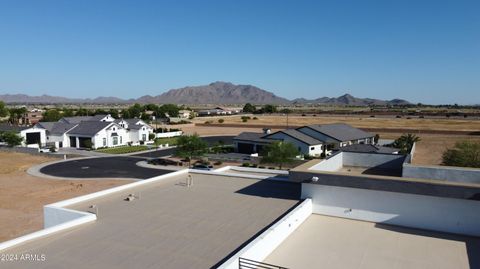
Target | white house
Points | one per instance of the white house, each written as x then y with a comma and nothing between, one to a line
97,134
92,131
304,143
138,130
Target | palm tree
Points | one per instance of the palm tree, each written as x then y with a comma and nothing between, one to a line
405,142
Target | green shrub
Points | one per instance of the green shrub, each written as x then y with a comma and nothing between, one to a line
246,164
221,120
244,120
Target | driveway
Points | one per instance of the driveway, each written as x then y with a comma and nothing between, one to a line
118,166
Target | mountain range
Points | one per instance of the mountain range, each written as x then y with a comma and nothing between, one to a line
213,93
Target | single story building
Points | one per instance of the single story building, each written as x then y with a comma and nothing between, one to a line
312,140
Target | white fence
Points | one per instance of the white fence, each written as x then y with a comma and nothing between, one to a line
169,134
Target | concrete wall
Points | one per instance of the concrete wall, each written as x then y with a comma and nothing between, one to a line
386,161
417,211
55,215
445,173
334,163
269,240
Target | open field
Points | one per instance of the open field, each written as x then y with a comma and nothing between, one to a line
23,196
356,121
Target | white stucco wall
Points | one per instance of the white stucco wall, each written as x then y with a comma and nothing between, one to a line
265,243
417,211
43,135
302,146
331,164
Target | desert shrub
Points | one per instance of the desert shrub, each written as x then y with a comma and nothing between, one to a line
218,163
221,120
255,118
244,120
246,164
464,154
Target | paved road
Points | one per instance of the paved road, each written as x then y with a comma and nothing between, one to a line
106,167
117,167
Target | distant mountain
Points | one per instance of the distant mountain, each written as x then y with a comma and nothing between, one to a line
214,93
350,100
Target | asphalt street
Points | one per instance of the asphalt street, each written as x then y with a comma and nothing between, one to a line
117,166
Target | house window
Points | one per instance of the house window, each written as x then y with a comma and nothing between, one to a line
121,140
312,148
104,142
115,140
144,137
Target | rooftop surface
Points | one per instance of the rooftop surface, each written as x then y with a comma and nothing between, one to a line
329,242
359,170
169,226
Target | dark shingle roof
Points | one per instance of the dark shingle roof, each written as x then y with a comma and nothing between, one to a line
9,127
89,128
75,120
78,119
367,148
253,137
340,131
299,136
56,127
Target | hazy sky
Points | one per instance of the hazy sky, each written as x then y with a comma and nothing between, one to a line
423,51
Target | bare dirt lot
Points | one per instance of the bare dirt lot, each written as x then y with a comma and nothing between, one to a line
356,121
23,196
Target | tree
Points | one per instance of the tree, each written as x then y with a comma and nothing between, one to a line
16,114
3,110
171,109
465,154
280,153
135,111
405,142
51,115
249,108
269,109
190,146
11,138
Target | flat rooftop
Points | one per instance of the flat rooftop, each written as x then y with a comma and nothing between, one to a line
329,242
169,226
359,170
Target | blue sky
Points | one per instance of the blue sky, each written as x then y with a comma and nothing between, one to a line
423,51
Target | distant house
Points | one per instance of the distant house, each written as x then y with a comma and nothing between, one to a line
218,111
184,114
95,131
338,135
97,134
138,130
33,116
313,140
32,136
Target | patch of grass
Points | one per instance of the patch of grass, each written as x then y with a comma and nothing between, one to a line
171,141
122,150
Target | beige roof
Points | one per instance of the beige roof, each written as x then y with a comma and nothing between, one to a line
329,242
170,226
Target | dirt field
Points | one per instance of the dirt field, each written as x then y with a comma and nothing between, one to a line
357,121
22,196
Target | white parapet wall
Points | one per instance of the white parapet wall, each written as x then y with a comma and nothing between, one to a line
268,241
58,218
442,214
